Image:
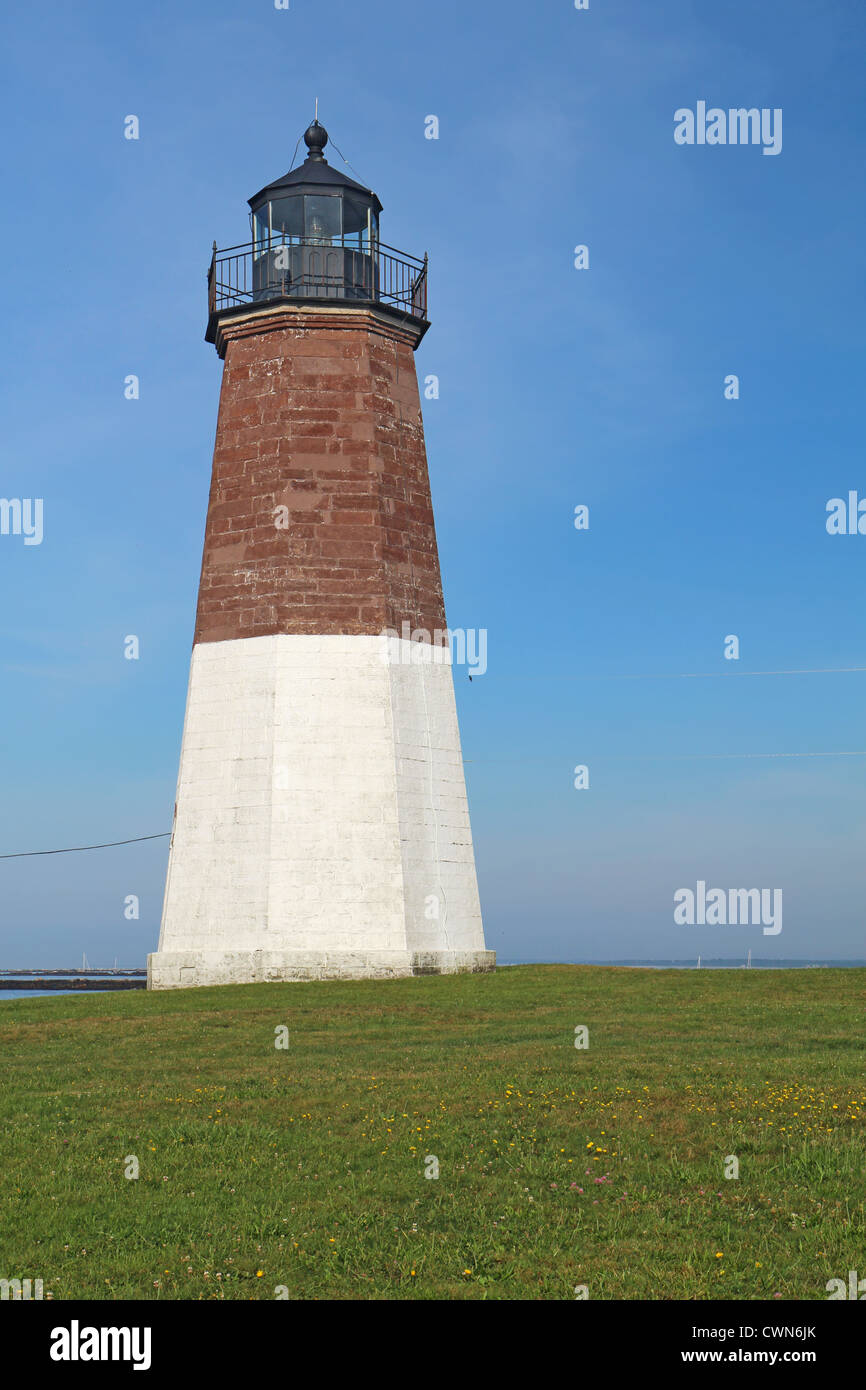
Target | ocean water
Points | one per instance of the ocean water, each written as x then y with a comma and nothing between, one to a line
43,993
46,993
710,964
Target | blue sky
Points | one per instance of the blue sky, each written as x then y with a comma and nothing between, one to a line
559,387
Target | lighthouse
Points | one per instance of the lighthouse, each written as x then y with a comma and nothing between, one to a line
321,826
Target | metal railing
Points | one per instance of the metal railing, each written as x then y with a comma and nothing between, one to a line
307,269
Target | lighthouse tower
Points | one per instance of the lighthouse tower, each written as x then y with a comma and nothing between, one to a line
321,827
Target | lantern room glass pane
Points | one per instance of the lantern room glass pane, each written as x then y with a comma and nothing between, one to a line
323,221
279,221
287,220
355,212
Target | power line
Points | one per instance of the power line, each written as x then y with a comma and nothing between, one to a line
78,849
593,757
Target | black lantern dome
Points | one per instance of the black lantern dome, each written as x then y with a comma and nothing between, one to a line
315,231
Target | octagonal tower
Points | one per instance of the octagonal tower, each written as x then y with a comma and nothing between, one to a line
321,825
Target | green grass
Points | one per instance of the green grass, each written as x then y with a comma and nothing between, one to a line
557,1167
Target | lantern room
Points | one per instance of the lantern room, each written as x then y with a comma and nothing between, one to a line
315,232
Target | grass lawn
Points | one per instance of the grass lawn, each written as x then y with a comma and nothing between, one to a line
304,1166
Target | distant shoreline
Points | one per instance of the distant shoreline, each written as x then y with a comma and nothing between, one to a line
14,985
710,963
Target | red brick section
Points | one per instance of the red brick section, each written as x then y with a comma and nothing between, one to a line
319,414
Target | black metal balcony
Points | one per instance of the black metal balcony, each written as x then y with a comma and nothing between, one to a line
310,270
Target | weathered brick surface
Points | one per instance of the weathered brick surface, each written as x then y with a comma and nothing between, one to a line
319,413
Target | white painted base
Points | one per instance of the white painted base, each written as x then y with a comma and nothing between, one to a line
186,969
322,826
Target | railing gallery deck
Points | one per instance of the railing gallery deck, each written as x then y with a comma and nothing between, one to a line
299,269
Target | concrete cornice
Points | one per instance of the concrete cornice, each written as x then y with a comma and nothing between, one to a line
246,320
